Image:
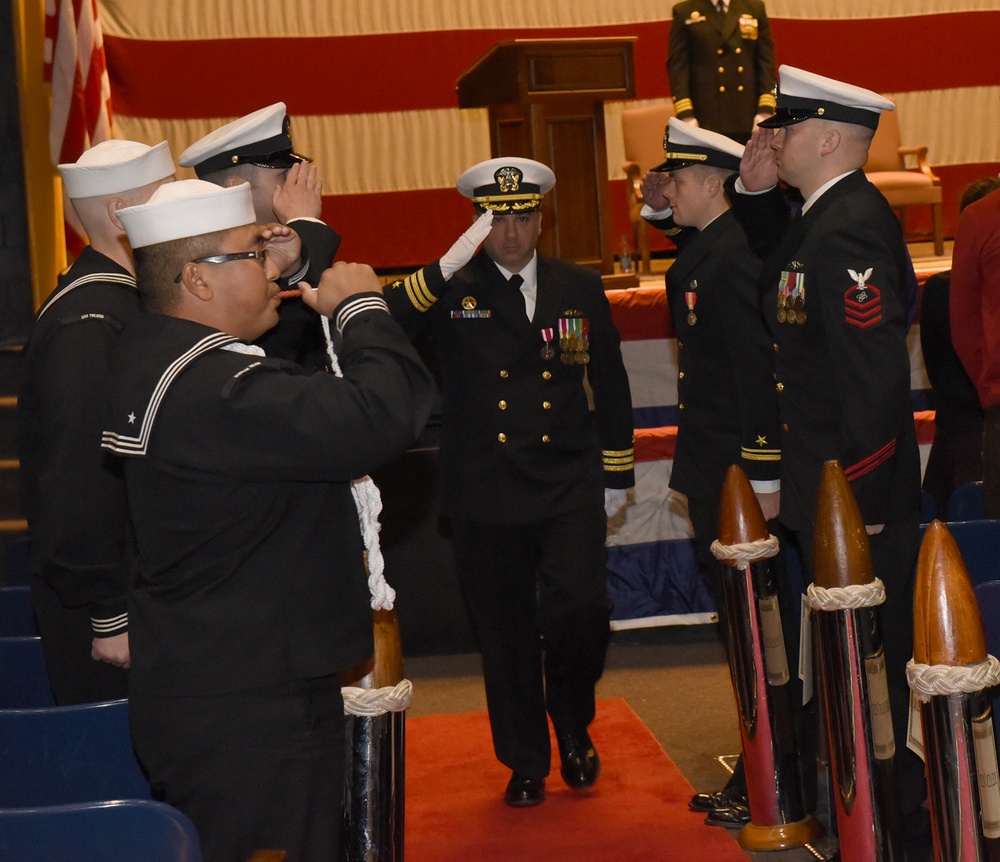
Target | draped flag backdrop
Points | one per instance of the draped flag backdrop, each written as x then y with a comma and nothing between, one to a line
371,87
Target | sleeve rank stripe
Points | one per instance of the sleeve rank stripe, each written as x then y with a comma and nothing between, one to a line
619,468
416,288
767,100
354,307
618,453
125,445
760,454
116,278
681,105
296,277
109,624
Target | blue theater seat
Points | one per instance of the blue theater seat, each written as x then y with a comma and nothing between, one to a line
16,618
68,754
122,831
23,681
966,503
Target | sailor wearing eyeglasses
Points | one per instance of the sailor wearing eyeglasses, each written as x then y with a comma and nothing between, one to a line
250,593
81,548
287,188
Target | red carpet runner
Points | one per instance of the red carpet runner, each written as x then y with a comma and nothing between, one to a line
637,811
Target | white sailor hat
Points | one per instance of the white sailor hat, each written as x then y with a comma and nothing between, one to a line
806,96
187,208
261,138
116,166
685,145
507,185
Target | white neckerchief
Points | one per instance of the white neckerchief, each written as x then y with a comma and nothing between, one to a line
529,287
240,347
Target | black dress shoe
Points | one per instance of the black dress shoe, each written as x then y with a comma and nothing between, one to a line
734,815
580,762
524,792
729,795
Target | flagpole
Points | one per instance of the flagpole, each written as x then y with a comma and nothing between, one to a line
47,243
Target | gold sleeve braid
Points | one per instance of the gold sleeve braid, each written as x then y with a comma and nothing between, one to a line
760,454
618,460
416,291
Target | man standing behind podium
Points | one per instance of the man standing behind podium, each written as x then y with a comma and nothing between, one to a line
720,63
525,463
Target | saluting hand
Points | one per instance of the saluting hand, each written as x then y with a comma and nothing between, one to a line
465,246
339,282
759,165
653,187
283,246
301,195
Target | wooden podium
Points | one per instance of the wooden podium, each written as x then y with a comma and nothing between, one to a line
545,100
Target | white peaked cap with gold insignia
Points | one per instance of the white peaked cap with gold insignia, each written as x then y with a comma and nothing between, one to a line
507,185
685,145
262,138
187,208
116,166
807,96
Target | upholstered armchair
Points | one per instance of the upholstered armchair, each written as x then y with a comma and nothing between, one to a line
886,168
642,129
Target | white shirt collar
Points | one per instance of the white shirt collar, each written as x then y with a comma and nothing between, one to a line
529,287
816,195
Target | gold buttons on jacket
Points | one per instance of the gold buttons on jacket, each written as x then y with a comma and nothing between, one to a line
502,437
775,345
719,51
722,69
739,89
680,375
546,405
722,89
739,50
784,426
739,68
504,374
502,405
680,406
780,387
545,438
546,375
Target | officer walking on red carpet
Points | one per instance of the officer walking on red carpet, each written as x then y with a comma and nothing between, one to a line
529,470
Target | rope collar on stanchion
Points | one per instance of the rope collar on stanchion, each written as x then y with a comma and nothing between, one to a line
930,680
847,598
370,702
746,552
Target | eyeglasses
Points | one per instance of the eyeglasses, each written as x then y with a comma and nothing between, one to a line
259,254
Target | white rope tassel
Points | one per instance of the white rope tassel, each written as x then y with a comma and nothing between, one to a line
372,702
930,680
368,501
846,598
746,552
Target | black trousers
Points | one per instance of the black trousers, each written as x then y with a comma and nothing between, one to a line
537,594
260,769
66,643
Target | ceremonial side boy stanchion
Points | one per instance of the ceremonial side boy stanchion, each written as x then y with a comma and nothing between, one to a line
374,791
759,668
949,674
851,670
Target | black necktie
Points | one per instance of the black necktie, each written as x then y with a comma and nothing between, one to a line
515,281
720,7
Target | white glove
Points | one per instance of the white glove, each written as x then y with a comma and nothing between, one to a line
614,500
691,121
465,246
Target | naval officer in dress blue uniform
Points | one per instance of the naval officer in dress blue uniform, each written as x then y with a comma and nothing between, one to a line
536,441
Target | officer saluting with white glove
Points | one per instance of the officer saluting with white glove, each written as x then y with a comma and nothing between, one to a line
525,462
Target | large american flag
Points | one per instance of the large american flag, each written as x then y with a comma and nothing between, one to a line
81,91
